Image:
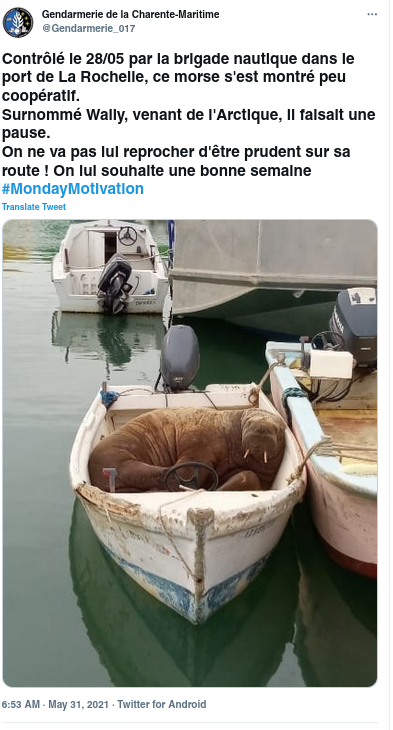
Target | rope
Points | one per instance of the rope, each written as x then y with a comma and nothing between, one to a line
339,449
210,400
326,447
324,443
134,387
107,514
353,447
108,397
294,392
170,538
139,257
253,397
190,493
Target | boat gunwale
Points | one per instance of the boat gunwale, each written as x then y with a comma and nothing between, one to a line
252,515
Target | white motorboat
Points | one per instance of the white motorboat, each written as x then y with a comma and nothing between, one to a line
110,266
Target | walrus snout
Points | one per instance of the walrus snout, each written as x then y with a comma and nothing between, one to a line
263,436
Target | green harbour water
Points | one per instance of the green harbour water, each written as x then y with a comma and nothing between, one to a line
71,617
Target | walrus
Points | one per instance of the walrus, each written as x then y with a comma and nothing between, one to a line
245,448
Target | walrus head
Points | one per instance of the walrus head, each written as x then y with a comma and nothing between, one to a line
263,436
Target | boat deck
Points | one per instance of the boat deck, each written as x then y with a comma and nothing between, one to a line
353,427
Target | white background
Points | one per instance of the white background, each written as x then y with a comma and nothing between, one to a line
354,188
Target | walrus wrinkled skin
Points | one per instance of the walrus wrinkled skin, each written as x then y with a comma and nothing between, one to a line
245,447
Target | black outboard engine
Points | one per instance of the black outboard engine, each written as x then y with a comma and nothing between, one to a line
354,319
179,358
113,287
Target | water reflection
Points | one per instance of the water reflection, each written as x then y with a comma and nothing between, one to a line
143,643
336,637
35,240
229,354
112,339
16,253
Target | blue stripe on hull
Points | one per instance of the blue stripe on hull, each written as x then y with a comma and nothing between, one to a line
225,591
180,599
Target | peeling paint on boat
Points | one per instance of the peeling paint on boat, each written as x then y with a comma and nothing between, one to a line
182,600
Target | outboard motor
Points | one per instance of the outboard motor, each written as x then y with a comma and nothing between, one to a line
354,321
113,287
179,358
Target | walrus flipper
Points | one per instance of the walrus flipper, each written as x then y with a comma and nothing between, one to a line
243,481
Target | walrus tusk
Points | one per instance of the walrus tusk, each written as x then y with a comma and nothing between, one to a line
246,453
265,457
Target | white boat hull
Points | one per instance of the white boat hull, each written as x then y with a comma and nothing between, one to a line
85,251
89,304
346,522
195,574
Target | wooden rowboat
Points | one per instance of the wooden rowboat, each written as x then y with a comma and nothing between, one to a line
193,550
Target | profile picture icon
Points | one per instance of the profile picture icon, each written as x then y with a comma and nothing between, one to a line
18,22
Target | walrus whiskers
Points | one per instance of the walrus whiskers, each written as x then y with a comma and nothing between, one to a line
246,453
265,457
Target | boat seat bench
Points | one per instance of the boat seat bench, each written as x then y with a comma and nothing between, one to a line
353,427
